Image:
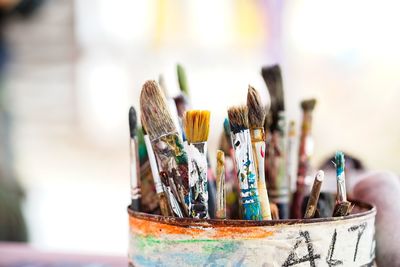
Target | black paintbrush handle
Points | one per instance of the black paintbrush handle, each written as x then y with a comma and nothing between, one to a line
135,204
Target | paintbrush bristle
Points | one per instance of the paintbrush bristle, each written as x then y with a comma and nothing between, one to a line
132,122
197,125
308,105
238,118
339,161
256,108
273,78
156,117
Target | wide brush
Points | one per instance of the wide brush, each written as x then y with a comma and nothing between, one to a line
167,144
257,114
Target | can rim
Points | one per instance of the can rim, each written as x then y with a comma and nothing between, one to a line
369,210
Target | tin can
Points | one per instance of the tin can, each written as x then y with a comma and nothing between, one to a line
165,241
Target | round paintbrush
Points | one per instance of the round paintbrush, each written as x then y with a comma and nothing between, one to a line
257,114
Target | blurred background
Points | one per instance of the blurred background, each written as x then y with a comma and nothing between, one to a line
71,69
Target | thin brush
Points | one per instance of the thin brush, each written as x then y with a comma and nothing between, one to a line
291,156
257,114
241,140
197,125
314,195
342,207
220,212
277,180
166,142
134,161
305,152
163,199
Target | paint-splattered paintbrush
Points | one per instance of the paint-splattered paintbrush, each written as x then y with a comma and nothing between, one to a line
241,140
314,195
197,124
231,181
163,198
257,114
277,180
220,211
342,207
305,152
134,161
166,142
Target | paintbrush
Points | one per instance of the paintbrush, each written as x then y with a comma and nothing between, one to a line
278,185
342,207
220,212
314,195
163,198
134,161
241,141
257,114
231,182
291,157
167,145
197,125
305,151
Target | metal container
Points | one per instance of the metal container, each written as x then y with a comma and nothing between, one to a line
165,241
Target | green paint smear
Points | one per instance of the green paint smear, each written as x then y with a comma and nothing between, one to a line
210,245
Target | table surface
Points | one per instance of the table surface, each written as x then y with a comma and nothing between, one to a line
23,255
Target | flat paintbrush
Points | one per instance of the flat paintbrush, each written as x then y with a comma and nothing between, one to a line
277,180
197,125
161,191
166,142
241,141
257,114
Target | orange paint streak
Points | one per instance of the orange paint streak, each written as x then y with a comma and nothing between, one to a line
156,229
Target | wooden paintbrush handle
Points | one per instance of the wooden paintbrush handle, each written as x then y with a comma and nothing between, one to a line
259,154
164,204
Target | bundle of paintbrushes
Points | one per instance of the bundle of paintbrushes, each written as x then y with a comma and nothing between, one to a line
255,165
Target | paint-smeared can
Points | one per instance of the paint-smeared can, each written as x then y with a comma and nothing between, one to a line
165,241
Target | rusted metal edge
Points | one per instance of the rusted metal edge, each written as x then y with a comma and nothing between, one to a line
369,210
